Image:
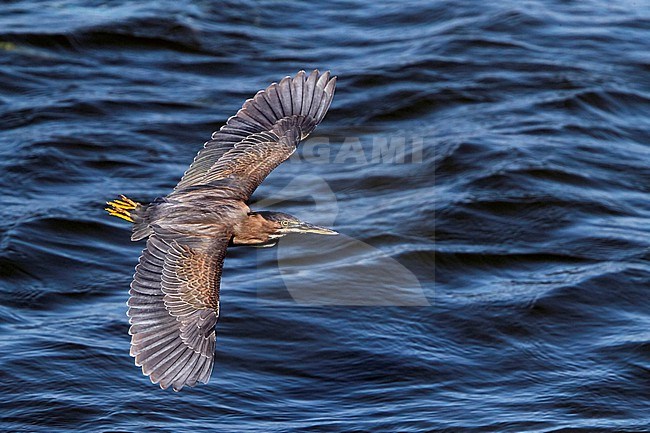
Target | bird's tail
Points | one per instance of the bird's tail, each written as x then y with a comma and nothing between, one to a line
123,207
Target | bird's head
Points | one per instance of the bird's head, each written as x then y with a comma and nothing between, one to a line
290,224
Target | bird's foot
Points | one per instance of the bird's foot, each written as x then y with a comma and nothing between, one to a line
120,208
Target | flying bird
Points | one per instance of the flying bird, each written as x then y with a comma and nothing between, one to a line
174,296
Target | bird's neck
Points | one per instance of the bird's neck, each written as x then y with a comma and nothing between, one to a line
255,230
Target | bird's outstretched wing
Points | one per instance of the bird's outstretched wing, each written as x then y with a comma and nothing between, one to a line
262,134
174,307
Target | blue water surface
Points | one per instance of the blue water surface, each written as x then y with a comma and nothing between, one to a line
485,162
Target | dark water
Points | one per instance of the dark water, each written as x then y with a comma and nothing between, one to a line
513,236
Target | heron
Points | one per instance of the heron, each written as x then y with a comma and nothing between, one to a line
174,296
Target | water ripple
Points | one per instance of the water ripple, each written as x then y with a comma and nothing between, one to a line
518,235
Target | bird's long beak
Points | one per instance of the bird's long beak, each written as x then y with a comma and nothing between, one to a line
310,228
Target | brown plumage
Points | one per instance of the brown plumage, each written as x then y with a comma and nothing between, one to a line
174,303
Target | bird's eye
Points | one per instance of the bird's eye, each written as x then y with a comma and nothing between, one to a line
285,223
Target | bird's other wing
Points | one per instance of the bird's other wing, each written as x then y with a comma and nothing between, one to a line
174,307
263,133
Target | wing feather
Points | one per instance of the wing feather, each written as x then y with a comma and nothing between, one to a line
318,94
298,103
174,307
308,92
297,90
284,94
